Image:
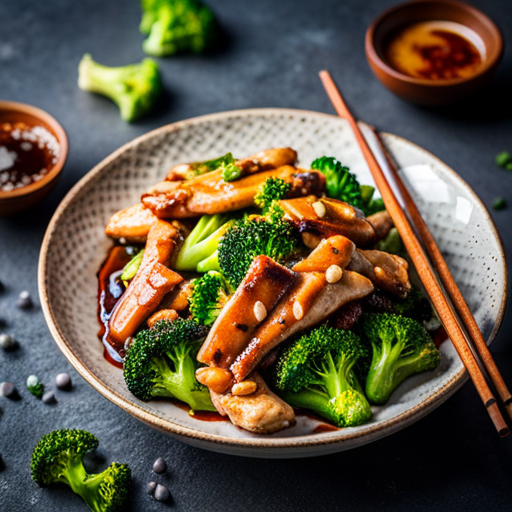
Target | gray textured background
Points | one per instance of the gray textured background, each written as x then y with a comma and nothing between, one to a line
451,460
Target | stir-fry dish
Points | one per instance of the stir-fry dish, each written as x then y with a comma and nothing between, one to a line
258,289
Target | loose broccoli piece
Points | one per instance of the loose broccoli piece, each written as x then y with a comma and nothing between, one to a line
252,236
504,159
130,269
210,293
340,182
415,306
202,243
401,347
58,456
229,170
392,243
135,88
162,363
199,168
319,372
35,386
273,189
175,26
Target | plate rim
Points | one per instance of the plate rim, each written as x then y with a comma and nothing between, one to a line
372,432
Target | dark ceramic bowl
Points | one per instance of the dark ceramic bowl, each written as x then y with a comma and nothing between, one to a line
23,198
425,91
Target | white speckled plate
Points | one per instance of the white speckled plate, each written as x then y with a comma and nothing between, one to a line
75,246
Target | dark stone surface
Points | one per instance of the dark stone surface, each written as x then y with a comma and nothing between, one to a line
451,460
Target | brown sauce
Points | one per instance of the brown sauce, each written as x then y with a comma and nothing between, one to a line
110,289
200,415
439,336
27,154
435,50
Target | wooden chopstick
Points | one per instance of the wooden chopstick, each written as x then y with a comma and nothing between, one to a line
449,284
420,260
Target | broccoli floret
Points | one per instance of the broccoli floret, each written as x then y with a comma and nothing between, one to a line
392,243
162,363
273,189
135,88
340,182
370,205
175,26
252,236
58,456
202,243
130,269
319,372
401,347
210,293
415,306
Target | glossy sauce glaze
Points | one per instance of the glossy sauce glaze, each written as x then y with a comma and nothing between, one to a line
27,154
435,50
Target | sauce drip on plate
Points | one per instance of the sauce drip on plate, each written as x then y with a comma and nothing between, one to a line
435,50
27,154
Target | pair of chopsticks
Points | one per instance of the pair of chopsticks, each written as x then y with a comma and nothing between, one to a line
432,269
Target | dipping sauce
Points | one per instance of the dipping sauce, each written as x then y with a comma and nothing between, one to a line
27,153
435,50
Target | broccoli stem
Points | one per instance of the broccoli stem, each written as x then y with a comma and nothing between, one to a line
210,263
314,400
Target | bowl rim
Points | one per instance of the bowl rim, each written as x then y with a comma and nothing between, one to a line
374,58
216,441
59,133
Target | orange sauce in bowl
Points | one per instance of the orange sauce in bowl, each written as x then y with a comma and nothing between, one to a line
435,50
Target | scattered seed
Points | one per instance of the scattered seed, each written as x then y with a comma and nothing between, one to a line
333,274
8,342
319,208
161,493
8,389
160,466
63,381
247,387
260,311
35,386
24,300
298,311
49,397
150,488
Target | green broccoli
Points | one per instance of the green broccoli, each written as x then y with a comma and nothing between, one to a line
199,168
175,26
135,88
340,182
202,243
392,243
273,189
251,236
130,269
401,347
210,293
58,456
229,170
35,386
370,204
319,371
415,306
162,363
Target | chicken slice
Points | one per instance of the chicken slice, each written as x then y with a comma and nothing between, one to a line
261,161
319,218
151,283
335,250
210,194
132,224
266,282
261,412
382,223
307,304
385,270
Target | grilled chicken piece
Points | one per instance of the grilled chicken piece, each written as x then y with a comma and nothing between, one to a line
132,223
210,194
262,161
266,282
261,412
151,283
308,303
177,299
382,223
163,314
322,218
386,271
335,250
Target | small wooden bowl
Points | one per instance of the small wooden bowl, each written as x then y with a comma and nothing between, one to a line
425,91
23,198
